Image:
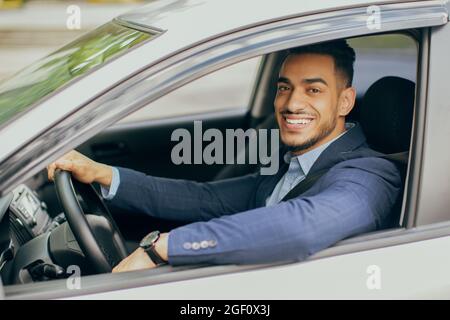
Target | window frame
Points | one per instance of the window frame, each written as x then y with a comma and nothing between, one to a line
262,100
432,203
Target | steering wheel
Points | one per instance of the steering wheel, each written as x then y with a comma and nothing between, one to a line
97,234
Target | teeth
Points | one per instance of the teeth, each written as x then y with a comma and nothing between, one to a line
298,121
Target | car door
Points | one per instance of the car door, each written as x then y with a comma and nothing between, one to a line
344,269
410,262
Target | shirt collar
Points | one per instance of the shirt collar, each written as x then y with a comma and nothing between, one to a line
307,159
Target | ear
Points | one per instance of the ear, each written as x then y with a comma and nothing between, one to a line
346,101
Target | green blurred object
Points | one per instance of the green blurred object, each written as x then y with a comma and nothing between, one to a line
52,72
10,4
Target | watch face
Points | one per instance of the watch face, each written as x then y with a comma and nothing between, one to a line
150,239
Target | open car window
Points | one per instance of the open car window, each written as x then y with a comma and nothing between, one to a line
383,55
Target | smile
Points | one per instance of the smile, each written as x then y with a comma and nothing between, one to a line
292,122
298,121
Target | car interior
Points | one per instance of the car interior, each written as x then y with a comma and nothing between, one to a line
385,80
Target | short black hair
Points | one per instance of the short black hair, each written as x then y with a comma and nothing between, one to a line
342,53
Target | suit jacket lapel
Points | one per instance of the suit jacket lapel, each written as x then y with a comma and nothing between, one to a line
340,150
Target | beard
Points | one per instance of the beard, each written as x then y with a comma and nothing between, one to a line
323,131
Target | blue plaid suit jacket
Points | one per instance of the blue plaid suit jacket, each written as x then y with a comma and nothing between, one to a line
230,224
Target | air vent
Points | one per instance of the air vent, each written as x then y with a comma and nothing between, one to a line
18,230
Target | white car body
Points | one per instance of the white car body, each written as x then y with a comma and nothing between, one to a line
410,262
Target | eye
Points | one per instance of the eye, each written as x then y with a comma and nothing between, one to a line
282,88
314,90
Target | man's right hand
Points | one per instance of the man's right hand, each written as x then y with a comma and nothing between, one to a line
83,169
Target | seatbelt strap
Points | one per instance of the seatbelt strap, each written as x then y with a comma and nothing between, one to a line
305,184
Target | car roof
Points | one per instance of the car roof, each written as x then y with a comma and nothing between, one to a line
217,16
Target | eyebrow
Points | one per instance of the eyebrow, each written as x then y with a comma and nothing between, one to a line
307,80
284,80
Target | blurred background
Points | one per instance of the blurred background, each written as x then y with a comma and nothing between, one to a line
31,29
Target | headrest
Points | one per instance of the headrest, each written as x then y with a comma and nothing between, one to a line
386,114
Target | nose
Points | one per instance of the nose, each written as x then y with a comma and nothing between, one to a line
297,102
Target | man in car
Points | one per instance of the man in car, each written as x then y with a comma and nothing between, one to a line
249,219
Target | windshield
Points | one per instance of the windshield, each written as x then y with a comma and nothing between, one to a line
68,63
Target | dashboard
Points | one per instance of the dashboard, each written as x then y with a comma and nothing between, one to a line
28,215
33,246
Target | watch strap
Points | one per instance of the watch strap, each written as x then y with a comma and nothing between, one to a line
154,256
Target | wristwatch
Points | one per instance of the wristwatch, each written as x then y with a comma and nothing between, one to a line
148,244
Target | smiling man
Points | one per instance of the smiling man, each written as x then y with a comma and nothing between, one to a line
260,219
314,95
